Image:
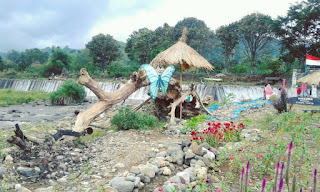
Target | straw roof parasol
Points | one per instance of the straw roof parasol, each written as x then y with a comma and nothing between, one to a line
311,79
183,55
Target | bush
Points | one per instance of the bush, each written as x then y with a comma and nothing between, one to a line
121,69
128,119
69,92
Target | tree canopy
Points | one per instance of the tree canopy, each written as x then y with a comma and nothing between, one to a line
299,31
103,49
255,32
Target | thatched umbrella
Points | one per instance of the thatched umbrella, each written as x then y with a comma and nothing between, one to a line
311,79
183,55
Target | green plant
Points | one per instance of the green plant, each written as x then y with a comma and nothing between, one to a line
192,124
227,99
128,119
69,92
10,97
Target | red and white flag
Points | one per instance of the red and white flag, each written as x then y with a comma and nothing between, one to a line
311,60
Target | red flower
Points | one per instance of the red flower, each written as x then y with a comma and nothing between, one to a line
209,123
193,132
231,158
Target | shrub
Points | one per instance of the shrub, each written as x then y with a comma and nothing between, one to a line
128,119
69,92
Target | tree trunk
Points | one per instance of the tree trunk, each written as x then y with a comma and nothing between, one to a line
106,100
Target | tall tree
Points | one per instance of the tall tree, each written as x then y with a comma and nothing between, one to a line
103,49
255,32
31,56
199,36
299,31
140,45
81,60
14,56
1,64
229,40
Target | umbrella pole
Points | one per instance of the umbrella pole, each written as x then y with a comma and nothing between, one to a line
181,92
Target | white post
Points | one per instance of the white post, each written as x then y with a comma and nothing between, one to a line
314,91
294,78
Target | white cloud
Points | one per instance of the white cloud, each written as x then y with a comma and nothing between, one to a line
213,12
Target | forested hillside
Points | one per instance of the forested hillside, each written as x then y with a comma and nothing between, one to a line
254,44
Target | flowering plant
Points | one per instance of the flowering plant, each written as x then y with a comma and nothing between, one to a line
217,133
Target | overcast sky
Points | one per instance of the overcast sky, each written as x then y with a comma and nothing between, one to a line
41,23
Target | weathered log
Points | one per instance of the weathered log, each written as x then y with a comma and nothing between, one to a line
106,100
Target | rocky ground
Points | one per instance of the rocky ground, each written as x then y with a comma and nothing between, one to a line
131,160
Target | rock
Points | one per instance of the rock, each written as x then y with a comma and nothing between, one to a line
166,171
130,178
201,163
147,171
135,170
136,182
141,185
189,154
62,180
185,176
144,179
3,171
25,190
196,149
185,143
201,172
109,189
193,184
208,159
175,179
125,173
118,165
18,187
161,154
122,185
28,172
8,160
205,145
48,189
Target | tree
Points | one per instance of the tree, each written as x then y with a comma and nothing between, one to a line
31,56
81,60
59,61
103,49
199,36
14,56
299,31
140,45
229,40
1,64
255,32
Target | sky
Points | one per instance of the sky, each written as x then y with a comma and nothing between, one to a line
44,23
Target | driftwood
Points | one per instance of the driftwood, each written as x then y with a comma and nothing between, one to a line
106,100
25,143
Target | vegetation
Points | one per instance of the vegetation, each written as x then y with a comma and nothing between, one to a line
10,97
128,119
255,43
69,92
103,49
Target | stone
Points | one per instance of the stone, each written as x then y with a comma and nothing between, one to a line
189,154
201,163
28,172
144,179
185,176
136,182
125,173
185,143
175,179
161,154
8,160
205,145
141,185
196,149
193,184
166,171
48,189
135,170
62,180
162,161
109,189
3,171
201,172
122,185
118,165
147,171
130,178
18,187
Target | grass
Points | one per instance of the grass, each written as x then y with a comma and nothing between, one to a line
277,132
10,97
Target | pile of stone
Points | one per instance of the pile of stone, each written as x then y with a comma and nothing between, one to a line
192,159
